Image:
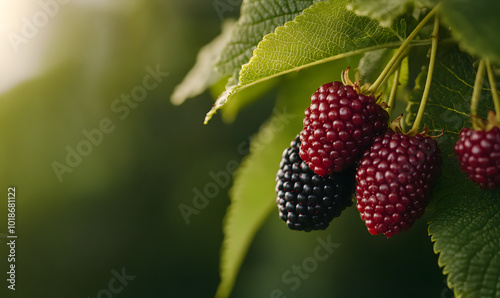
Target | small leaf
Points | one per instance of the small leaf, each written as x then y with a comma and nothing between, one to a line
372,64
475,24
466,224
258,18
323,33
203,75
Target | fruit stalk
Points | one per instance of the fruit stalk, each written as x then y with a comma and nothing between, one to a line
396,66
373,88
428,82
394,91
478,85
494,91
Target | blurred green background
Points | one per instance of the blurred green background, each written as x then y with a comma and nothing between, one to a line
119,207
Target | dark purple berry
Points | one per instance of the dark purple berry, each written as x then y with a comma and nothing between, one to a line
307,201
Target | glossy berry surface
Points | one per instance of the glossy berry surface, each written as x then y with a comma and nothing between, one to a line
478,152
307,201
338,126
394,181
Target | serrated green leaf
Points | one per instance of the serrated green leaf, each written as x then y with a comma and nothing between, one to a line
475,24
467,235
202,75
386,11
325,32
466,222
258,18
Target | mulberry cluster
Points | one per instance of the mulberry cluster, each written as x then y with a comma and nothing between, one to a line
346,144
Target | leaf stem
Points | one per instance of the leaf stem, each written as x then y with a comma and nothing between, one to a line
428,81
478,85
396,66
494,91
394,91
399,52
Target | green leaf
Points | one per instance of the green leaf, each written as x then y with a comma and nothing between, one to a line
475,24
467,236
466,223
386,11
258,18
203,75
325,32
245,98
253,194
